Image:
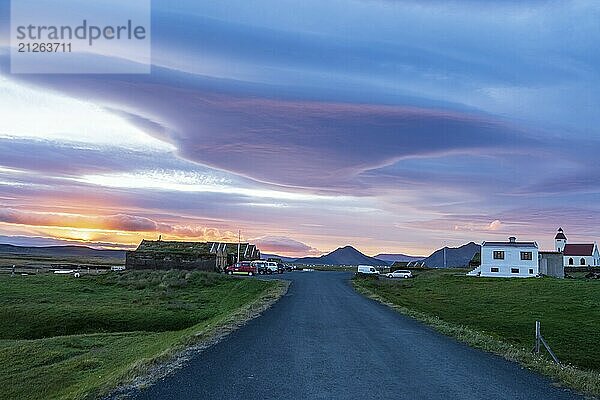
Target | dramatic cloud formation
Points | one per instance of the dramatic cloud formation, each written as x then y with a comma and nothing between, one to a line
118,222
395,126
284,246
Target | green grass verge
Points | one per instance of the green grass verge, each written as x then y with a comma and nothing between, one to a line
77,338
498,315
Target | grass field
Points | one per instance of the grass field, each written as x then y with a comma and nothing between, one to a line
33,261
71,338
505,310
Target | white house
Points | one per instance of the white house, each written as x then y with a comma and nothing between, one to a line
577,254
509,259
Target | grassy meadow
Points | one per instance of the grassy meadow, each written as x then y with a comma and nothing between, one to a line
41,261
71,338
491,312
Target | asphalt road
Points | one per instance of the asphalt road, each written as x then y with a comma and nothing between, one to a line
324,341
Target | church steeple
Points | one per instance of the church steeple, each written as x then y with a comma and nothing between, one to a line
560,240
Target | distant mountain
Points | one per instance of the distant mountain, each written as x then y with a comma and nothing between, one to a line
391,258
285,259
343,256
61,251
455,256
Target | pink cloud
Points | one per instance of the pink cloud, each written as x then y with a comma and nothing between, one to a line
286,246
120,222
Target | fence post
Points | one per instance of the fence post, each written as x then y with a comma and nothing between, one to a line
537,337
539,340
550,351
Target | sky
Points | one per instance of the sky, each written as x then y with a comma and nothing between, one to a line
394,126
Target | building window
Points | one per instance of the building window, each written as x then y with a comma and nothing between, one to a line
570,261
526,255
530,271
498,255
582,261
514,270
495,269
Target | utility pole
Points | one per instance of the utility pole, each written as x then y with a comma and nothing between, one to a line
239,244
445,263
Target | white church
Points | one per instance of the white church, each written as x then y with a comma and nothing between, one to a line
524,260
576,254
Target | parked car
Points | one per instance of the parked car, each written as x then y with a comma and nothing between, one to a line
288,267
281,268
399,273
272,268
241,268
64,271
367,269
261,266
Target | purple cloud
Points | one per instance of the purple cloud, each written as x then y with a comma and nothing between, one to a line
286,246
304,144
120,222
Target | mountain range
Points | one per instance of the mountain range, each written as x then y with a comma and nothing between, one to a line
61,251
282,258
391,258
347,255
455,256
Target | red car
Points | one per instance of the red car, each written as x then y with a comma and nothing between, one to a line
241,268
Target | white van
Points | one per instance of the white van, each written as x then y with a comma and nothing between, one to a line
367,269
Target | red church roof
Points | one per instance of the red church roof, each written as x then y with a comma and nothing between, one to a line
578,250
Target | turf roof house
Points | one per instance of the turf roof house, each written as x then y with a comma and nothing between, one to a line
407,264
248,252
205,256
576,254
508,259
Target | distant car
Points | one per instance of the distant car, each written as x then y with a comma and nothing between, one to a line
400,274
64,271
117,268
288,268
272,268
241,268
367,269
261,266
281,268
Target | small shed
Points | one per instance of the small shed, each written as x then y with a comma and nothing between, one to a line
551,264
475,261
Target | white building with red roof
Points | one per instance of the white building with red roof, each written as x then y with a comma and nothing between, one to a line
577,254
